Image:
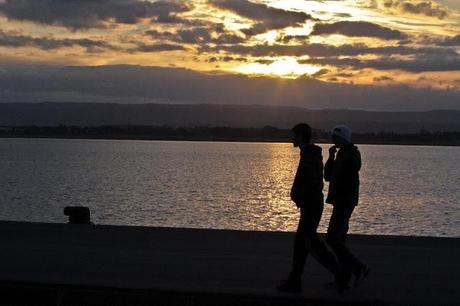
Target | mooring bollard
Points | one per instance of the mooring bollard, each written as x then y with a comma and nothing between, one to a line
78,214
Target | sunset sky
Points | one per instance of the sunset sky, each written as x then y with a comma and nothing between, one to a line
373,46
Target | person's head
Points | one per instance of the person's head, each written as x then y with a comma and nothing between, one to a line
301,134
341,135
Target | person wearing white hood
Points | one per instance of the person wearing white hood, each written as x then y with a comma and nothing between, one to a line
342,172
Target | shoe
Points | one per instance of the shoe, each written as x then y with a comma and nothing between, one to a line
361,275
290,286
342,281
330,286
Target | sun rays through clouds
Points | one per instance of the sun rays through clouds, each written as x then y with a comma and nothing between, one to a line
369,42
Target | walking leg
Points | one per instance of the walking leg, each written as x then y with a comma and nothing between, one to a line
336,237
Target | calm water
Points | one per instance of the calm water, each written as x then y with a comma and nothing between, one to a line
405,190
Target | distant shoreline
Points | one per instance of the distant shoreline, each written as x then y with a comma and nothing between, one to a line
268,134
248,140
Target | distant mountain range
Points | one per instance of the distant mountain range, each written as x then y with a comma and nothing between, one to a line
190,115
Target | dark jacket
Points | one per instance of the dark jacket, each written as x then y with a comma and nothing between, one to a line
343,176
307,188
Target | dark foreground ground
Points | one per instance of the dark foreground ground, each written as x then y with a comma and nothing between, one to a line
59,264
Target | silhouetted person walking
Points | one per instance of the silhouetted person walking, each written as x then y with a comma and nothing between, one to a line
342,173
307,194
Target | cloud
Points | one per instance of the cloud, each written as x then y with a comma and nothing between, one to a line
266,17
288,38
167,35
357,29
226,59
194,36
452,41
429,8
345,75
127,84
324,50
342,15
156,48
84,14
452,4
212,59
264,61
383,78
14,40
198,36
419,64
320,72
228,39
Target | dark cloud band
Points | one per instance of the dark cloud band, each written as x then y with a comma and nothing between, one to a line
266,17
357,29
83,14
425,7
324,50
12,40
417,65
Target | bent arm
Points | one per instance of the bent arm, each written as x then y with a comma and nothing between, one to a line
328,168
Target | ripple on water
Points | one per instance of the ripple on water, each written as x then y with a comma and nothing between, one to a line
405,190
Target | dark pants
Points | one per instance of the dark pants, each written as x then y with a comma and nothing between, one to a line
337,234
307,241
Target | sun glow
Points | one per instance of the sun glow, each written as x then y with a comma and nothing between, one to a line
286,67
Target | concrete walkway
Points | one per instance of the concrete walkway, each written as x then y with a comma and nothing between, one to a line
107,265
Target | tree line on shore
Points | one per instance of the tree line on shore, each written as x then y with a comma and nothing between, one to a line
267,134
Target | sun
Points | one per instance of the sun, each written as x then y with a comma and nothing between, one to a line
286,67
